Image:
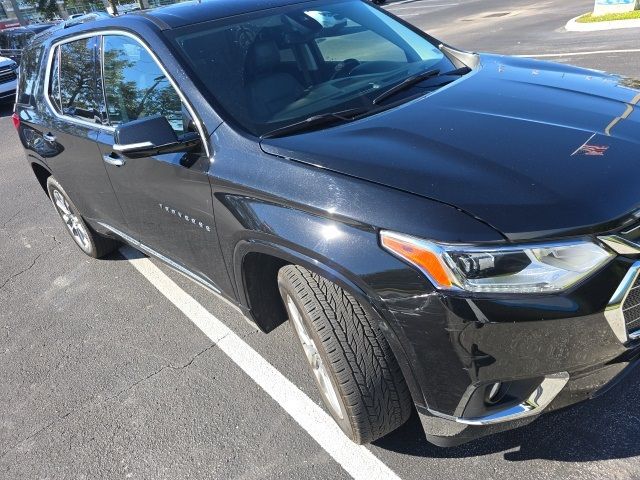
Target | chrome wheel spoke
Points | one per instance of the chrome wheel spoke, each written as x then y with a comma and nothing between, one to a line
61,203
320,372
71,220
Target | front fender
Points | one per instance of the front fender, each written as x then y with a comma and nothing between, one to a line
329,223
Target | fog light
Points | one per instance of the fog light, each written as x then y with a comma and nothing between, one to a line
494,393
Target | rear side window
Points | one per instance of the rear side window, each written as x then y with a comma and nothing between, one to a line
29,68
72,86
54,81
135,86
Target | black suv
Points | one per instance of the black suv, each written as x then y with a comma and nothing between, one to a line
454,231
14,40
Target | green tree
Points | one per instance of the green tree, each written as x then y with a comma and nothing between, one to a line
48,8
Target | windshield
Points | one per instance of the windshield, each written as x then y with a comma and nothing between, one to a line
273,68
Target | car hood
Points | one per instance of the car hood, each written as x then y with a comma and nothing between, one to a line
5,62
535,149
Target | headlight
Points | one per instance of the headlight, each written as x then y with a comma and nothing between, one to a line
539,268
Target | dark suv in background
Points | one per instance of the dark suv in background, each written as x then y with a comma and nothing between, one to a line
454,231
14,40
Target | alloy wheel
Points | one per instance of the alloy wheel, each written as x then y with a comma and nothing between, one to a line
318,366
72,220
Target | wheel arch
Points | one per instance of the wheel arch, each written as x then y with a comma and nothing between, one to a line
42,173
258,260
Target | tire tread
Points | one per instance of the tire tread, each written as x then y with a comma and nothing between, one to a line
370,380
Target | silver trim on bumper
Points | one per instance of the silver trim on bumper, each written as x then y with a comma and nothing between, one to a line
541,397
614,314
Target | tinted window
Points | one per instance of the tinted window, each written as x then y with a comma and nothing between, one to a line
135,86
29,75
53,89
77,79
280,66
15,39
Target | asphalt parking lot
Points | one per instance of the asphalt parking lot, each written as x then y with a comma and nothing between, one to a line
103,375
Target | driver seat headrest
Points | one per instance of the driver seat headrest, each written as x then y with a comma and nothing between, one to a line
264,56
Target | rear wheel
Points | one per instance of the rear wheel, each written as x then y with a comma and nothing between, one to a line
89,241
359,378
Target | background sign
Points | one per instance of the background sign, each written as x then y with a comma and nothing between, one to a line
613,6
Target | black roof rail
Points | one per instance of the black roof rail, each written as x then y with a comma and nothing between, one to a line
89,17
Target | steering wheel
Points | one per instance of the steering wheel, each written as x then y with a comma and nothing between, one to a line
344,68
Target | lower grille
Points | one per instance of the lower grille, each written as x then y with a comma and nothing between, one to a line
631,307
7,75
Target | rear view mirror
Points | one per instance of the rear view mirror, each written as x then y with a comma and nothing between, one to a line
151,136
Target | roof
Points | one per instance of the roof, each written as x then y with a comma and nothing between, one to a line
186,13
164,18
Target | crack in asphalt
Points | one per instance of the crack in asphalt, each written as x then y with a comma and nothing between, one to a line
50,236
6,222
111,397
17,274
35,260
204,350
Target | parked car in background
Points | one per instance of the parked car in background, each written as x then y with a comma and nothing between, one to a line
8,79
13,40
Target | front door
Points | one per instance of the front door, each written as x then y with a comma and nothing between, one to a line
166,198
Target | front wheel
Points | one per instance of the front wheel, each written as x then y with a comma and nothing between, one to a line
89,241
358,377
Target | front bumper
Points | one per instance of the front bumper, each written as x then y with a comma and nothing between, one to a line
8,92
546,352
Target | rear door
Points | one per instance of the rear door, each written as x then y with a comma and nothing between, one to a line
166,198
67,131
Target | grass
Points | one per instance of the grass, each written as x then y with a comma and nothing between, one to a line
590,18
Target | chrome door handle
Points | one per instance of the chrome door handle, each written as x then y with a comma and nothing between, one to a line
111,160
48,137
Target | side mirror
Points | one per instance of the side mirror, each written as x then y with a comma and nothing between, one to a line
151,136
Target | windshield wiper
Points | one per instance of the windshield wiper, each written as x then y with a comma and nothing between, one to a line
315,121
406,83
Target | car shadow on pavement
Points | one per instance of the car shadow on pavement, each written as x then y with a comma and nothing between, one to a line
600,429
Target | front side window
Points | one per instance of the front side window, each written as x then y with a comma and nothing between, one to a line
135,86
77,77
277,67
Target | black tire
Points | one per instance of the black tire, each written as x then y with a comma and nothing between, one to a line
372,393
87,239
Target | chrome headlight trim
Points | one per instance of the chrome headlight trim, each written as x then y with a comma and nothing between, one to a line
535,268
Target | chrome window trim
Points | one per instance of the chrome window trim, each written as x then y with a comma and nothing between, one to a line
120,148
47,82
116,32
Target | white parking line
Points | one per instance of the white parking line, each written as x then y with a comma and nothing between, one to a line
356,460
575,54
